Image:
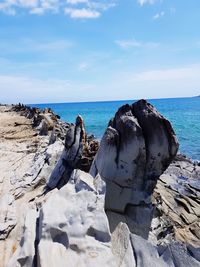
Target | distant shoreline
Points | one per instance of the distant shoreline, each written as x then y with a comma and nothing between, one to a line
110,101
96,101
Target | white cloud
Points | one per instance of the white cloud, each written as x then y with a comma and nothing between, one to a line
26,89
74,8
37,11
156,83
25,3
83,66
189,72
6,8
75,2
91,9
101,5
158,15
82,13
132,43
128,43
143,2
32,6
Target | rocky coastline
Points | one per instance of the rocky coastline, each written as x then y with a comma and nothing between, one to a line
68,200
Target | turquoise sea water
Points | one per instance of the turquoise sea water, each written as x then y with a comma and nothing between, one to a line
184,114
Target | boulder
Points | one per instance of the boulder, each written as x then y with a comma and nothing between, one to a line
136,149
78,153
74,142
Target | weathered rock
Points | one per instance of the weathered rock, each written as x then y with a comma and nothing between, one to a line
74,142
195,252
122,247
137,147
7,215
43,128
78,232
177,202
67,225
146,255
79,151
178,255
25,254
133,250
43,120
26,162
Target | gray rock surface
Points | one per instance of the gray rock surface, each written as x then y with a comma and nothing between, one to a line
77,146
176,254
66,225
7,215
78,232
71,154
25,254
177,202
27,160
136,149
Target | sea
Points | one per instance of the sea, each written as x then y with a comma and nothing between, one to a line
184,114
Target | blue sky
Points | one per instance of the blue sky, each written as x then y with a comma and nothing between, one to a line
92,50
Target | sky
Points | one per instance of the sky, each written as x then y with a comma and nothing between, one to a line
96,50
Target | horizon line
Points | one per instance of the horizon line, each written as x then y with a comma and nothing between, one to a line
102,101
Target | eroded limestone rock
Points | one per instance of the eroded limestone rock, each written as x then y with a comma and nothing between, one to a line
72,228
26,162
177,202
67,226
78,152
25,254
74,142
137,147
8,218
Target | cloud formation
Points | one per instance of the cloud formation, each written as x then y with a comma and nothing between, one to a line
148,84
143,2
158,15
82,13
132,43
83,66
76,9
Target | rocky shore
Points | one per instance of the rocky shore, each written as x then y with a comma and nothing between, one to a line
66,200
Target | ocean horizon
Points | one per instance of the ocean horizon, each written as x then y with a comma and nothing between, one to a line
183,113
113,100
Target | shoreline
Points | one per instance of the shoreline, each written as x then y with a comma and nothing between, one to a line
99,137
183,114
32,142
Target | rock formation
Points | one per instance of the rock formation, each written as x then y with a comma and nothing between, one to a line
71,229
77,147
136,149
177,202
78,234
52,212
28,157
26,162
